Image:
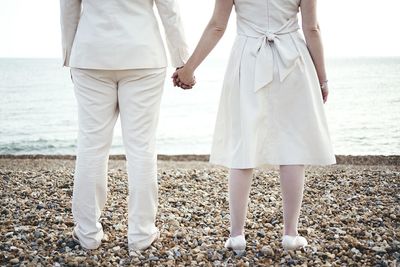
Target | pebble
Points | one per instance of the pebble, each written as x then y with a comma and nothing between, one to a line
330,255
14,261
9,234
193,217
40,206
153,258
379,249
261,233
267,251
134,253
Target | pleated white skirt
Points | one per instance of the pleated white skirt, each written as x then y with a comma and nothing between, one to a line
283,123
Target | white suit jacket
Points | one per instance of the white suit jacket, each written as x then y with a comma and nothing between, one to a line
120,34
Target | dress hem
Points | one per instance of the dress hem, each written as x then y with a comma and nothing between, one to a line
310,162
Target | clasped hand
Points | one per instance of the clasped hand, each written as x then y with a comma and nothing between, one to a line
184,78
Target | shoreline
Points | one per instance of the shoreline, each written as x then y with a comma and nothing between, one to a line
384,160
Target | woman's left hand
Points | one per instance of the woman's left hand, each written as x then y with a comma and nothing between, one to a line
325,93
184,78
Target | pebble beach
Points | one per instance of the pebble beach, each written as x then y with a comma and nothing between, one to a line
350,215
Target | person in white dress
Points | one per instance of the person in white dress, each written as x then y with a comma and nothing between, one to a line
272,103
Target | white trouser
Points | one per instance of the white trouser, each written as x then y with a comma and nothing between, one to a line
102,95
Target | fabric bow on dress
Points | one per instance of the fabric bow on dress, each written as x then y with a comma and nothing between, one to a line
274,47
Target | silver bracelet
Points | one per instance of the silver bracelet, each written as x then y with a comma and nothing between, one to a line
324,84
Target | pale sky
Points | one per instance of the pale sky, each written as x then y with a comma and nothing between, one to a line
349,27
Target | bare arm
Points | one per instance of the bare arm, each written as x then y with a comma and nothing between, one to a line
70,12
211,36
312,35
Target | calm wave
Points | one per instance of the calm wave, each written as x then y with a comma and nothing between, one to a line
38,109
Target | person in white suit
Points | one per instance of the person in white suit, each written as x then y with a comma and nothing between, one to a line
118,66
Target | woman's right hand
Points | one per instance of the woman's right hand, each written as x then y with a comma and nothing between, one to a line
212,34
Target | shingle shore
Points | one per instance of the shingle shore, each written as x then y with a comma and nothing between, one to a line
350,216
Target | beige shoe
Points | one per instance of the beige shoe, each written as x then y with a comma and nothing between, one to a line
237,244
293,242
133,248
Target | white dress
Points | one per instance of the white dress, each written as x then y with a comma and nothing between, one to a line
271,109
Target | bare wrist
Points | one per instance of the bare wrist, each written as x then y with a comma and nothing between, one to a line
189,66
323,84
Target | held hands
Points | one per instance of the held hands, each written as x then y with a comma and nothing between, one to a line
184,78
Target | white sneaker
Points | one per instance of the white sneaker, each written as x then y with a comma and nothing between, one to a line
237,243
293,242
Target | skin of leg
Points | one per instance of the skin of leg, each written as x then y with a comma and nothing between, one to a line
96,96
292,186
139,95
239,189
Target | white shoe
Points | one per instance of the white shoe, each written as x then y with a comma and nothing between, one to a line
237,243
293,242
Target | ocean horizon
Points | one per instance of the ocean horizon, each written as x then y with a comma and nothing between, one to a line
38,108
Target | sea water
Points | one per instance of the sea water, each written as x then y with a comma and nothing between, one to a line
38,113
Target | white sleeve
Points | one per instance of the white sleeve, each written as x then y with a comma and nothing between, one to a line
70,12
174,31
